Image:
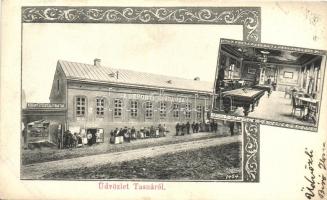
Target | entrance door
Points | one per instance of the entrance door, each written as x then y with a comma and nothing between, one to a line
97,135
91,140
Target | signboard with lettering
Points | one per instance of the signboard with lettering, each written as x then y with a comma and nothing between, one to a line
45,105
156,98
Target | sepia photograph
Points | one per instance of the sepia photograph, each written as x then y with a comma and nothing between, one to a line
128,101
269,82
121,124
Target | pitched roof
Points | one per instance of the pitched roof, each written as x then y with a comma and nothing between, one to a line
87,72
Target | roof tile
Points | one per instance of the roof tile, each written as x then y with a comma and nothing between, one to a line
74,70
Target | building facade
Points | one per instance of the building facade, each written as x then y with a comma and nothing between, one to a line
103,98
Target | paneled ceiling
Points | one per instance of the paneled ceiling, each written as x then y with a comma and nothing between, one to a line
273,56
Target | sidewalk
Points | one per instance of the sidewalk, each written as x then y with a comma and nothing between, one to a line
36,171
51,154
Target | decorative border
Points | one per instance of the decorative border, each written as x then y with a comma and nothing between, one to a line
249,17
251,152
263,122
271,46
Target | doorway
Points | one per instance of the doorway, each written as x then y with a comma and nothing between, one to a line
92,138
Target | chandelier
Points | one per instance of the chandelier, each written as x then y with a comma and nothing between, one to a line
264,57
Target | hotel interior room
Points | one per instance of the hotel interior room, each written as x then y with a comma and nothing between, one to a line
269,83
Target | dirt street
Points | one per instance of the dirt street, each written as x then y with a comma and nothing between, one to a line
36,171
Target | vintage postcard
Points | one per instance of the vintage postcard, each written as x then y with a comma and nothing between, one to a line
157,100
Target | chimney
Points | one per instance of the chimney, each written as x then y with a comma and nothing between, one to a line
197,78
97,62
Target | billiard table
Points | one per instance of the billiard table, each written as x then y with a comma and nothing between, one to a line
263,87
243,97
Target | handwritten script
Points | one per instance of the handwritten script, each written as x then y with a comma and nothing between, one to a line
315,177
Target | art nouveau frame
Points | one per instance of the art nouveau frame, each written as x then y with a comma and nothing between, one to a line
248,17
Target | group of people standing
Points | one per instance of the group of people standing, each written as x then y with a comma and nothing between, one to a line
127,134
117,136
182,129
208,126
70,140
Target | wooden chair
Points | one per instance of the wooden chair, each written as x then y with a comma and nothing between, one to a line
307,95
296,106
313,112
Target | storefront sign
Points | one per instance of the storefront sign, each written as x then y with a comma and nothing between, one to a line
45,105
156,98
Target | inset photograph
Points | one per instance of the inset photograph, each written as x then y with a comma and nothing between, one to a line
269,82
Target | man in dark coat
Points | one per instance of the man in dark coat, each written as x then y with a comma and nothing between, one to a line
152,131
133,133
215,126
112,136
193,127
161,130
124,134
211,126
59,140
231,128
197,127
64,142
177,128
188,127
120,132
127,135
183,128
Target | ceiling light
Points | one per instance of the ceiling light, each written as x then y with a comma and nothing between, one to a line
265,52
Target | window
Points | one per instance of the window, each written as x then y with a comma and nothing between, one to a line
58,85
80,106
100,106
223,60
176,110
163,112
199,112
188,110
148,109
118,107
134,106
318,81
